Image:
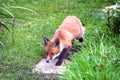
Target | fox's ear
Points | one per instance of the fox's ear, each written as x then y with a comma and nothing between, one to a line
45,40
57,42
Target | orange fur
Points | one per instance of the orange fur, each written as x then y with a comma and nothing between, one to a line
70,29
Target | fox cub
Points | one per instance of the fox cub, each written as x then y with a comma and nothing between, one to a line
61,43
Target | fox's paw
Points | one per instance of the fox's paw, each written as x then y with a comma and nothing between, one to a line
58,63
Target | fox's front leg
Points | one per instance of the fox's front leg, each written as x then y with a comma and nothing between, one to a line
63,56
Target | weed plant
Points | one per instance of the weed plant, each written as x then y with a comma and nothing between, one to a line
114,19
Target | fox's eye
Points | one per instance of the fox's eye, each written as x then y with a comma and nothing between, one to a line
46,53
52,53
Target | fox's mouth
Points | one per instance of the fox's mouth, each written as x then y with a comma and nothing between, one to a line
53,57
48,61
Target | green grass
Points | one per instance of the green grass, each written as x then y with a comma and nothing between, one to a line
99,58
99,62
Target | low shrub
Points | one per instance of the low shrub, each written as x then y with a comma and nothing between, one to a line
113,21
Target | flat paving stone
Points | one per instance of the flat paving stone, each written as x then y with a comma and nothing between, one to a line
50,68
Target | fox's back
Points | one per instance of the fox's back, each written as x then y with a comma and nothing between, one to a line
71,27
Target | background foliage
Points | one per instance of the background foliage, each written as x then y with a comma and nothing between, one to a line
99,58
114,19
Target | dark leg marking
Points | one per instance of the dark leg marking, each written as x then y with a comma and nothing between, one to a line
73,49
61,57
80,39
78,47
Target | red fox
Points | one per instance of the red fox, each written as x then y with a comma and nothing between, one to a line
61,43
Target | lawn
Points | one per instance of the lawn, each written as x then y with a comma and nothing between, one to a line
99,58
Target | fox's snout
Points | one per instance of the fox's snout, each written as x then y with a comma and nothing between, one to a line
47,61
48,58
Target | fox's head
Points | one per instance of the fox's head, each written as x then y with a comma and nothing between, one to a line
52,49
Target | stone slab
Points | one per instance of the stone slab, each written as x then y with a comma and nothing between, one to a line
50,68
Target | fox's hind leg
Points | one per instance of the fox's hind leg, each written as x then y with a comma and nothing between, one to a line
80,39
73,49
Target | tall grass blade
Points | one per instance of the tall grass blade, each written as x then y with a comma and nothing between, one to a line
18,7
4,25
2,44
7,11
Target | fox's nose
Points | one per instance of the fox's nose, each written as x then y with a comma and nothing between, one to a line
47,61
